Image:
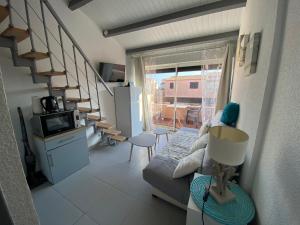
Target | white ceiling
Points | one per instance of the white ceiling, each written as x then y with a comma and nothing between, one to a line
109,14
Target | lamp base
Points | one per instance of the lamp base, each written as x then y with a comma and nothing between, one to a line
221,199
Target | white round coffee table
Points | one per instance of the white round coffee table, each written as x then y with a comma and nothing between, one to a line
160,131
143,140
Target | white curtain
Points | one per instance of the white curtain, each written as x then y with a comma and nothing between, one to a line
139,80
211,80
223,96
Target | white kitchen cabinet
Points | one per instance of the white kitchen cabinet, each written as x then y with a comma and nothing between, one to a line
61,155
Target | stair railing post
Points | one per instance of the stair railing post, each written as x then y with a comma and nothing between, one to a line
59,21
63,53
76,67
46,34
98,100
88,86
10,13
29,26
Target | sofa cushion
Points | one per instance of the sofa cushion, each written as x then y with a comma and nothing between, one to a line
230,114
204,129
189,164
159,173
216,120
200,143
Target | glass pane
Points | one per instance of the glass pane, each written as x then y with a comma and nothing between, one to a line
189,99
160,89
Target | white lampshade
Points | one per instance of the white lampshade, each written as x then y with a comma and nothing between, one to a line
227,145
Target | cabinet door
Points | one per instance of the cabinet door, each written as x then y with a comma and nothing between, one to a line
67,159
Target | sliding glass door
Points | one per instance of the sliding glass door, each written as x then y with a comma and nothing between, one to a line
182,96
161,94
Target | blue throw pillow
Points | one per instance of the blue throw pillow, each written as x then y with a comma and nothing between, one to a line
230,114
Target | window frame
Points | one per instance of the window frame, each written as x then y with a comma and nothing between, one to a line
194,83
171,85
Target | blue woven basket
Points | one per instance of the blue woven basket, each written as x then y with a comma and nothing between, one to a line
237,212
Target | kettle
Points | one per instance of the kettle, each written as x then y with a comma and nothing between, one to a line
50,104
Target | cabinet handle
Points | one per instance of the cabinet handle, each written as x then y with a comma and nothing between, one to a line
50,159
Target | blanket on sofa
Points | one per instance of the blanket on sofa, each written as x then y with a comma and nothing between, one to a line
179,145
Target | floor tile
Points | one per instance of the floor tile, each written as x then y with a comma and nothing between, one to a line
112,210
85,220
109,191
146,215
82,190
53,209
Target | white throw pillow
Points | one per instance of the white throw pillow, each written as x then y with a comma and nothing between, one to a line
204,129
189,164
200,143
216,120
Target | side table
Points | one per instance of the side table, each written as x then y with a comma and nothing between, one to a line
158,132
238,212
142,140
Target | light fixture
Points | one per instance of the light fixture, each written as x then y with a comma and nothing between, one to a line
227,147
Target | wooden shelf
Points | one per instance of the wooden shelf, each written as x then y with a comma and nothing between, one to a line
35,55
19,34
4,12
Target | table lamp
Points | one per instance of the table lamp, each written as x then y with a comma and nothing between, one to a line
227,147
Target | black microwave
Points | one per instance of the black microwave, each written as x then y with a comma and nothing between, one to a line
45,125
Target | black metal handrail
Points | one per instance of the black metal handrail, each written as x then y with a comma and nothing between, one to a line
74,78
75,46
58,20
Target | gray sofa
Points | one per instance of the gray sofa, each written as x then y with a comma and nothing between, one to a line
159,172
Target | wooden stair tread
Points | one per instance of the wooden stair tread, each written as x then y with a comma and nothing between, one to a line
118,138
65,87
104,125
78,99
87,110
111,132
52,73
94,117
18,33
4,12
35,55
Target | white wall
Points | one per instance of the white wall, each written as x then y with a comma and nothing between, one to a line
270,106
253,92
18,82
13,186
276,189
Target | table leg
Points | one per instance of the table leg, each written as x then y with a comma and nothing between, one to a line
167,137
130,152
151,151
149,154
155,141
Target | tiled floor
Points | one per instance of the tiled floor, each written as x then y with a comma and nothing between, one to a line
109,191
